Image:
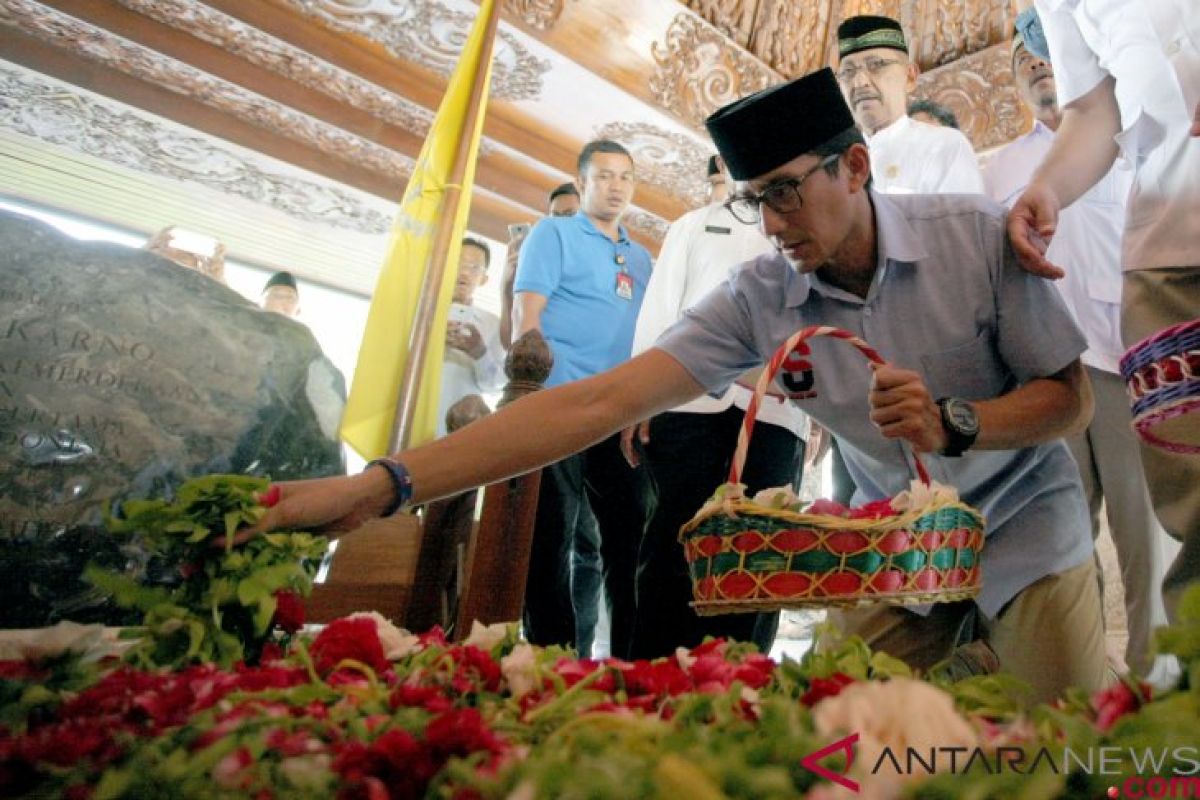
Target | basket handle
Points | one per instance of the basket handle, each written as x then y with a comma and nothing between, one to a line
768,375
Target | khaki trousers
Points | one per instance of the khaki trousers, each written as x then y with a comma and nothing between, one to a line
1050,635
1110,466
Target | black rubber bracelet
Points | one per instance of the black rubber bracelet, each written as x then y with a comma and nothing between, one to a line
402,485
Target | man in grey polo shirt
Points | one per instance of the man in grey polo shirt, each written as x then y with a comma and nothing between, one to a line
931,282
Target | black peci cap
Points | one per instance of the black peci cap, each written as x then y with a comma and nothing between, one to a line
867,32
767,129
282,279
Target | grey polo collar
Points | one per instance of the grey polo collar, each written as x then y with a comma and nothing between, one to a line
898,244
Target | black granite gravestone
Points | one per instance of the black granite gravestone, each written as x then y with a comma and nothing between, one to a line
121,375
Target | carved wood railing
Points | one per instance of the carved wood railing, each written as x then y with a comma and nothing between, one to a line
497,561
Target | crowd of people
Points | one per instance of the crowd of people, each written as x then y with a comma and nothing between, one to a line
831,203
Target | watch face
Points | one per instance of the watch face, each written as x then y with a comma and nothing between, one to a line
962,416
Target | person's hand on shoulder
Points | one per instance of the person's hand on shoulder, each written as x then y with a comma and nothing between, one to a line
1031,225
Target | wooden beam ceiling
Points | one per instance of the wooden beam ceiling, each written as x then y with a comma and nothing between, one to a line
347,90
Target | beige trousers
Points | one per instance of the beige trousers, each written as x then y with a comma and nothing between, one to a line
1110,466
1050,635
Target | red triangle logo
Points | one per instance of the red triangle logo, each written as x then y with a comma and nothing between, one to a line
811,762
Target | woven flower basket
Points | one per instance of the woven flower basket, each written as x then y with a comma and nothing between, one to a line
745,556
1163,375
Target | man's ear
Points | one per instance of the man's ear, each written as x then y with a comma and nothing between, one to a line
857,163
911,73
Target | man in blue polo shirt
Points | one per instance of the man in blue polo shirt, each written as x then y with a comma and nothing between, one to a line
580,281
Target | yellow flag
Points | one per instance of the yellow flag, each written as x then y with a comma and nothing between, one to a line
371,407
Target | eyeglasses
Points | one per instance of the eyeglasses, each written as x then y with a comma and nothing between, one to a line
782,197
873,66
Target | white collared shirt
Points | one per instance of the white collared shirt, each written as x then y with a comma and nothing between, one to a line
1087,242
913,157
700,250
463,375
1152,49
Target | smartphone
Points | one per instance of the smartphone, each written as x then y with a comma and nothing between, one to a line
518,230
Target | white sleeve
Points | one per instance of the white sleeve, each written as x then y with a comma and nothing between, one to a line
667,287
1077,68
961,165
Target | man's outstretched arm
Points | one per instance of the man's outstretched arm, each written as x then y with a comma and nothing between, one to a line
1083,152
537,430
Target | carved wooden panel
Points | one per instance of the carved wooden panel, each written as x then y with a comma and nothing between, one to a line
697,70
539,14
428,33
882,8
734,18
945,30
43,109
979,89
243,40
105,48
792,43
796,38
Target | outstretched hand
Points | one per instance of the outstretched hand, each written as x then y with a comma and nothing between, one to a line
1031,225
902,408
331,506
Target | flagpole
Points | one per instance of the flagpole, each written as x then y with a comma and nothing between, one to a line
435,267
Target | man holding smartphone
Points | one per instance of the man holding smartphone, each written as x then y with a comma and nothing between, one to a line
474,358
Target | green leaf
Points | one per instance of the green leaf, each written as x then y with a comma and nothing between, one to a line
114,783
233,521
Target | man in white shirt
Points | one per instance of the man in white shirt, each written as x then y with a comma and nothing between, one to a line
1128,79
907,156
689,448
474,358
1088,242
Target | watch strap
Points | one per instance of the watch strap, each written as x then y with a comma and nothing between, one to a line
402,485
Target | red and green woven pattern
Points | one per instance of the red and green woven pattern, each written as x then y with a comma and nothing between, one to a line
1163,375
782,559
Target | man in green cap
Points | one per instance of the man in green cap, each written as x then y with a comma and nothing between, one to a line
907,156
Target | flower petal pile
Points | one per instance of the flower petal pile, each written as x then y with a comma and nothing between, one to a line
364,710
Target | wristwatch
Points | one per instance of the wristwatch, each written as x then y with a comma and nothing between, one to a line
961,424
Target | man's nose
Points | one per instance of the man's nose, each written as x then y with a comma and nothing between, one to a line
860,77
